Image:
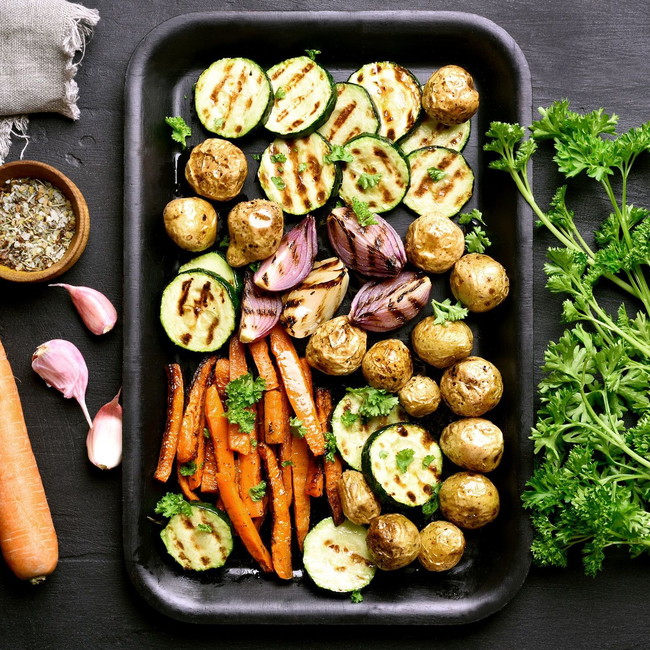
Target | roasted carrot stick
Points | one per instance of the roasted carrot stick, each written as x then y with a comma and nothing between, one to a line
184,484
199,461
333,466
286,463
250,477
265,369
280,505
191,428
300,470
237,440
222,376
27,536
242,522
218,428
306,369
276,417
295,384
175,403
209,478
314,484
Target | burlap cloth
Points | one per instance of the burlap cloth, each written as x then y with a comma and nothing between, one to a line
38,43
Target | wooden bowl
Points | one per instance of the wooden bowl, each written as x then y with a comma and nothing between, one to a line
33,169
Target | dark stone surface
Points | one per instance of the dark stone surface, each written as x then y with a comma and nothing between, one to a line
595,54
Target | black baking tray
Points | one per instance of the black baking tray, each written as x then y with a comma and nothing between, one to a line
159,82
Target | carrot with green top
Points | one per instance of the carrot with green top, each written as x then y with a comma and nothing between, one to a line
175,404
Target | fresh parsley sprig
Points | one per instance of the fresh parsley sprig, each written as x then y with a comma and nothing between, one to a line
362,211
444,311
172,504
180,130
242,393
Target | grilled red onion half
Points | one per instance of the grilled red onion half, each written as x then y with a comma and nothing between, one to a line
389,304
293,260
376,251
260,311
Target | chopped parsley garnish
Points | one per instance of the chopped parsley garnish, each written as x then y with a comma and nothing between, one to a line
364,216
330,446
431,506
278,182
173,504
302,167
280,93
278,158
297,427
427,460
287,463
375,402
436,174
257,156
253,266
366,181
356,596
242,393
338,153
187,469
403,459
224,243
218,123
204,528
349,419
312,54
180,130
206,433
258,492
444,311
467,217
383,454
477,240
253,442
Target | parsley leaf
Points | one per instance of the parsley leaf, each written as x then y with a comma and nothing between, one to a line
467,217
297,427
349,419
278,158
204,528
218,123
258,492
172,504
364,216
257,156
338,153
180,130
403,459
278,182
375,402
312,54
287,463
366,181
302,167
280,93
356,596
444,311
242,393
432,505
436,174
427,460
330,446
383,454
477,240
187,469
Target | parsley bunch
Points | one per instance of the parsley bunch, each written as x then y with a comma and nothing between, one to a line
591,484
242,393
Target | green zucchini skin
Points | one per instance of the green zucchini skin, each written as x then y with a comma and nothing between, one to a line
198,310
399,489
304,97
215,263
428,132
445,197
232,97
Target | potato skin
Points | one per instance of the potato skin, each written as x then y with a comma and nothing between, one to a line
442,545
434,244
336,347
216,169
393,541
358,501
471,387
479,282
387,365
469,500
442,344
255,230
450,96
420,396
475,444
191,223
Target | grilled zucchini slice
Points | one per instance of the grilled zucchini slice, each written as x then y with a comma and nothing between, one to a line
198,310
200,541
304,97
428,132
215,263
378,174
396,93
337,557
350,435
401,463
447,195
232,97
295,174
353,114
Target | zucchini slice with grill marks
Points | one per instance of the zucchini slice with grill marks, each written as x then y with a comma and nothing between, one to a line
295,174
401,463
396,93
303,94
428,132
378,174
353,114
200,541
198,310
215,263
232,97
441,182
337,557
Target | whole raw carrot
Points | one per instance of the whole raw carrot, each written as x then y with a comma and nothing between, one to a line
175,403
27,536
300,397
243,523
280,506
218,428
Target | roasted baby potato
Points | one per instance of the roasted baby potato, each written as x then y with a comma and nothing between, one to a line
420,396
469,500
393,541
442,344
336,347
442,545
191,223
471,387
434,244
358,501
479,282
387,365
216,169
255,230
475,444
449,95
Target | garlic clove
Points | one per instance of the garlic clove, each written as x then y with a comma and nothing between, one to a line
61,365
95,309
104,440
